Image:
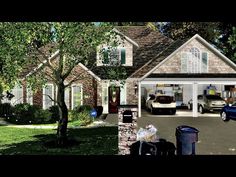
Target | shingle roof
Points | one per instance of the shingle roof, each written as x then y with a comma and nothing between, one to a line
192,75
153,48
165,51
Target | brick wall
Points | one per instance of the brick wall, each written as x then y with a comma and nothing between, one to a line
89,85
38,98
216,64
131,97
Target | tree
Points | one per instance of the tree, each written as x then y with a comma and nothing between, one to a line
232,43
182,30
225,40
74,42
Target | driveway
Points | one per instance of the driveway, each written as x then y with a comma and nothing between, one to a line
215,136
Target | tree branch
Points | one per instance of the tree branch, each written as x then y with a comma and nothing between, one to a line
51,98
76,79
48,62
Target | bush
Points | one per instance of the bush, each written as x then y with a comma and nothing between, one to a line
80,118
42,117
54,110
30,114
83,108
6,110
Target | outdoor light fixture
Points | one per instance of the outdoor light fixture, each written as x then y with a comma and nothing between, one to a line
135,88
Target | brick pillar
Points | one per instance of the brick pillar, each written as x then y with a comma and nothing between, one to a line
127,131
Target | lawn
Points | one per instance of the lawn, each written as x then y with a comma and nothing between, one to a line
89,141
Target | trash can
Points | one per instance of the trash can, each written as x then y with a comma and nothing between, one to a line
186,137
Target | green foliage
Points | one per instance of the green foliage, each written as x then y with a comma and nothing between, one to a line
83,108
25,44
80,116
30,114
54,110
6,110
182,30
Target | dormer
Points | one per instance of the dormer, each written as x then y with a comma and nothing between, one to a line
122,54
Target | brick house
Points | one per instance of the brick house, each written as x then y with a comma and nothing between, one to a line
152,61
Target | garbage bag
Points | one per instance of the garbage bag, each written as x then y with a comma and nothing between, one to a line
148,134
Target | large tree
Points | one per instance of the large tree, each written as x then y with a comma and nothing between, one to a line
232,43
74,42
182,30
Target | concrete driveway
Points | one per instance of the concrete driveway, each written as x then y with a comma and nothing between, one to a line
215,136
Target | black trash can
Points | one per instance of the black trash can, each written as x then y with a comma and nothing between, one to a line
186,137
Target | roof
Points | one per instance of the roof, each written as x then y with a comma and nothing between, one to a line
180,45
48,50
192,75
151,50
164,51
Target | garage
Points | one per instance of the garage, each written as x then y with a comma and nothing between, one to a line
187,88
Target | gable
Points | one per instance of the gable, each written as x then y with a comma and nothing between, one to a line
216,64
123,43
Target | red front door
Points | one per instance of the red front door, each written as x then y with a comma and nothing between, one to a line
114,99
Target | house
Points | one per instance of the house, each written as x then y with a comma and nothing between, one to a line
153,62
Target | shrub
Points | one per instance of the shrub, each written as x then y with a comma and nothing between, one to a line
83,108
43,116
80,118
6,110
30,114
54,110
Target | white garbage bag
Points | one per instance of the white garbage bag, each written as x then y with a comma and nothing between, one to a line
149,134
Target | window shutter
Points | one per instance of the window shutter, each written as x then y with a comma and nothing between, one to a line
105,56
123,56
184,57
204,62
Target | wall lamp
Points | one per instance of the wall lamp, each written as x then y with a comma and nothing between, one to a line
135,88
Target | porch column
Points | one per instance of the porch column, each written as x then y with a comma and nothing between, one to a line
139,99
195,105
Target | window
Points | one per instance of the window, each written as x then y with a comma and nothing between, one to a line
29,96
48,91
76,95
194,61
18,95
114,56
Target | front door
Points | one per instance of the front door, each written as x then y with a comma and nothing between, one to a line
114,99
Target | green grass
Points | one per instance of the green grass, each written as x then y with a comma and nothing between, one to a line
91,141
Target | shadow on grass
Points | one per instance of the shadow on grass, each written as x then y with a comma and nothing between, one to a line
91,141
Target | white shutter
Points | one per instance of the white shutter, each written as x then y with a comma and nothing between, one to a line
48,90
76,96
184,60
29,96
18,95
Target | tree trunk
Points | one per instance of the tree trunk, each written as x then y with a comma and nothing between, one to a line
63,112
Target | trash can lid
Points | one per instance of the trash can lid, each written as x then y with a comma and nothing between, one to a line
187,129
